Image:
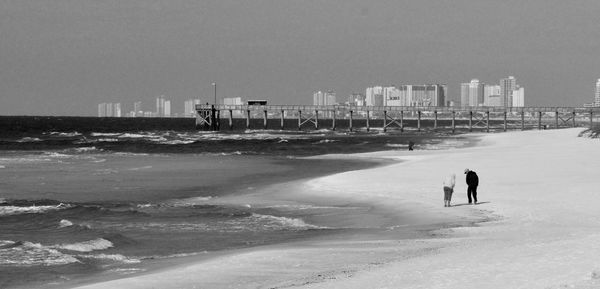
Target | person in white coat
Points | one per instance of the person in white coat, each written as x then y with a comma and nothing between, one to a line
449,183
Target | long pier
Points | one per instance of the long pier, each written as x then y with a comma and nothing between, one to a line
210,117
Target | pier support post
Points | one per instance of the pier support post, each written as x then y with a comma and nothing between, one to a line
316,119
282,119
419,120
219,119
368,126
435,119
265,119
487,115
505,123
522,120
299,119
350,125
470,121
384,120
230,119
556,118
591,119
574,114
453,121
539,120
248,118
333,120
401,121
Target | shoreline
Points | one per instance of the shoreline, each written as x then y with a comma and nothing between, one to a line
369,247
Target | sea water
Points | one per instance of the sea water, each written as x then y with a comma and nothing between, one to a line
76,205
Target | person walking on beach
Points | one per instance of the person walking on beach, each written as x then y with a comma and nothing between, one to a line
449,182
472,183
411,144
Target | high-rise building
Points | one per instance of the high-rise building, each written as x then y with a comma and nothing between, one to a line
464,94
160,106
137,109
471,93
374,96
109,109
475,93
507,86
407,95
324,98
167,108
190,107
163,107
116,111
491,95
597,95
518,97
102,110
357,99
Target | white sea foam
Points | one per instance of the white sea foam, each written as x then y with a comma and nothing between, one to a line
87,149
15,210
275,222
2,167
33,254
29,139
326,141
86,246
105,134
66,134
112,257
65,223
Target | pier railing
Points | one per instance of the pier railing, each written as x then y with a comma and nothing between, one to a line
210,116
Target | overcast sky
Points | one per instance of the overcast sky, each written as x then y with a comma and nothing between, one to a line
63,57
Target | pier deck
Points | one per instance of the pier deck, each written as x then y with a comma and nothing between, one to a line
397,117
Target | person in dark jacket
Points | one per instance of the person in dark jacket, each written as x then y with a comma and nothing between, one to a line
472,183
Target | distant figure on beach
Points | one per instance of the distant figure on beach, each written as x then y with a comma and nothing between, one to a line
472,183
449,182
411,144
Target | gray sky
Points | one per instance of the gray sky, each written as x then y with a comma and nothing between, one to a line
63,57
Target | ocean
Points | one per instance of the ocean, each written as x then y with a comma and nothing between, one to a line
113,200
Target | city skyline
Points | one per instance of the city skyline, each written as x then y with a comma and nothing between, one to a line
58,58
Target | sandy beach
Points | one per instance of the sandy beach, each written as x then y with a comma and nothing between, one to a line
535,227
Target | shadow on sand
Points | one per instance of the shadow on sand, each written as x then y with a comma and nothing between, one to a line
467,204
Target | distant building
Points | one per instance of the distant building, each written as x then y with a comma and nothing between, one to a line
234,101
472,93
356,99
137,109
597,94
374,96
507,86
464,94
491,95
518,97
116,111
407,95
163,107
190,107
167,108
324,98
102,110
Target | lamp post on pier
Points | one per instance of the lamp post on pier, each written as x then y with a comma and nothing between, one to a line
214,84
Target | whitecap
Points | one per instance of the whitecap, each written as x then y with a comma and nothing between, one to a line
112,257
105,134
275,222
33,254
15,210
87,246
65,223
29,139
